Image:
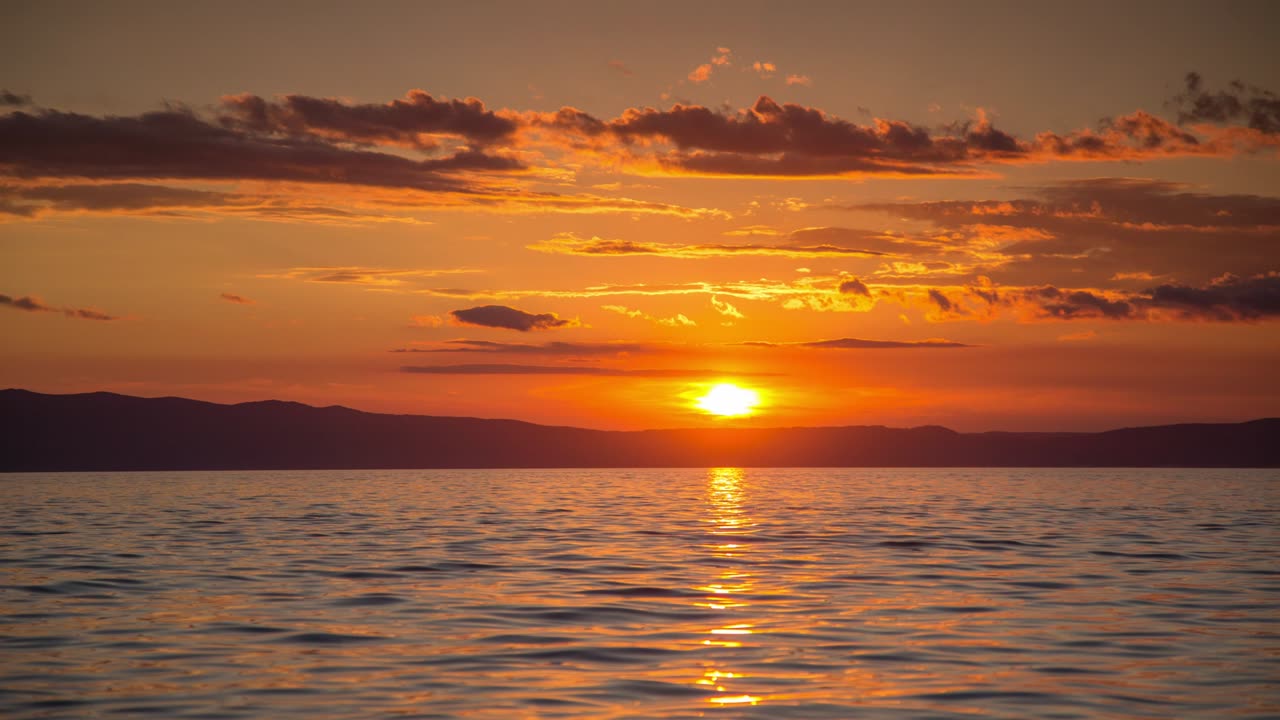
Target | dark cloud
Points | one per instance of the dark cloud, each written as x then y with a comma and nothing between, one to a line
502,369
30,200
32,304
942,301
1229,298
1258,108
177,144
12,99
772,128
27,303
790,140
855,287
1226,299
161,200
552,348
412,120
773,139
1070,304
859,344
86,314
237,299
501,316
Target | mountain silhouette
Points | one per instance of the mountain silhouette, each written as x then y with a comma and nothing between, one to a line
105,431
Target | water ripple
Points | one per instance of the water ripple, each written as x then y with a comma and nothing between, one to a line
641,594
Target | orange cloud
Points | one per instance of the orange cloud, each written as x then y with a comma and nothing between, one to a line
702,73
569,244
368,276
678,320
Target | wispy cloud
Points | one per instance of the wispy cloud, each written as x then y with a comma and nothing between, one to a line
28,303
569,244
859,344
569,349
505,369
369,276
677,320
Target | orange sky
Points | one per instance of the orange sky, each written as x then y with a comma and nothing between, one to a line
1012,219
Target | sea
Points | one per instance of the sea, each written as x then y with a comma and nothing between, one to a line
681,593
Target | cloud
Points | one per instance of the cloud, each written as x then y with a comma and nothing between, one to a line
781,140
764,69
509,318
28,303
725,308
1259,108
237,299
1228,298
570,244
12,99
371,276
702,73
30,201
942,301
87,314
678,320
176,144
1067,305
855,287
804,80
570,349
416,120
753,231
1098,231
299,203
504,369
619,67
57,196
859,344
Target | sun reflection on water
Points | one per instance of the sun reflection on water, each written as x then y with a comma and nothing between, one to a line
728,524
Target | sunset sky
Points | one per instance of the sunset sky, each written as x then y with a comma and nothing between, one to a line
1005,216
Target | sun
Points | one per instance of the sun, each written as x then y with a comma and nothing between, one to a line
729,400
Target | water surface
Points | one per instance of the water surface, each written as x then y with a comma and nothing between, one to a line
641,594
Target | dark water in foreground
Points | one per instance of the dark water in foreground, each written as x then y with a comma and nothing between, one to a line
642,594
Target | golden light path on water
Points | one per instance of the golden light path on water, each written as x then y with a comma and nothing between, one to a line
728,524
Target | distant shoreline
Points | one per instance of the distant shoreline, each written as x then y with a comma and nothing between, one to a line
108,432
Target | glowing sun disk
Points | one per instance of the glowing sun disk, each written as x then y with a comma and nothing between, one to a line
729,400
